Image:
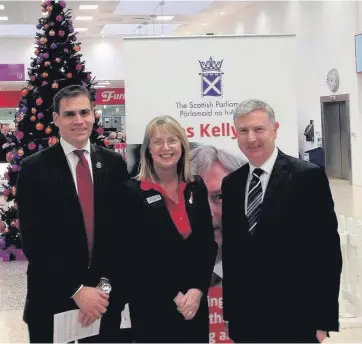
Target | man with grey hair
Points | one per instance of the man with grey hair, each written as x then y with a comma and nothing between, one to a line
213,164
281,249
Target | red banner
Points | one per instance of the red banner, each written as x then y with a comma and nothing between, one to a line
9,99
110,96
218,333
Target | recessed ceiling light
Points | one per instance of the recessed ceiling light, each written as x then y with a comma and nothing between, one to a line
221,13
164,17
204,24
2,7
81,29
84,18
4,18
88,7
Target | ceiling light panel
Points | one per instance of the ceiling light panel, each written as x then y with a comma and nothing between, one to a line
88,7
164,17
18,30
171,7
133,30
84,18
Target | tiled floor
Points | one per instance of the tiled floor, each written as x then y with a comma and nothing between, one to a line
348,201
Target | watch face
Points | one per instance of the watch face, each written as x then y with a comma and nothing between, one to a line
106,288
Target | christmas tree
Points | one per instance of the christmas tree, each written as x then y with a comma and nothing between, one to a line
57,63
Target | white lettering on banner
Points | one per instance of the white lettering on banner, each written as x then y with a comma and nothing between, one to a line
109,95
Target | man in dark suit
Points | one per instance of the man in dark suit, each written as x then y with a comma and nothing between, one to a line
281,249
68,220
5,141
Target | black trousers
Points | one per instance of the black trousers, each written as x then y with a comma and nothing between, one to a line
260,335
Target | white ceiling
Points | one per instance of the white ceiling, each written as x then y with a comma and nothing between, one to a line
118,18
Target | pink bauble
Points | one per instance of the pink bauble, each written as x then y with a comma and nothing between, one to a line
100,131
15,168
53,141
33,78
61,33
59,18
31,146
6,192
20,135
40,115
79,67
9,157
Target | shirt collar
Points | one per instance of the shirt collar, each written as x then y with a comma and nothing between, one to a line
268,165
148,185
68,148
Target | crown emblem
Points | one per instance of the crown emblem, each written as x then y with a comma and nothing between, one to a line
211,65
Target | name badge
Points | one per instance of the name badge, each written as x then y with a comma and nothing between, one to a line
153,199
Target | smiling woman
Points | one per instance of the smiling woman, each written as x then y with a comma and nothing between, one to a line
165,149
169,218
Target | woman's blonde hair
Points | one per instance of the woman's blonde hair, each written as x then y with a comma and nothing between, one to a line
169,125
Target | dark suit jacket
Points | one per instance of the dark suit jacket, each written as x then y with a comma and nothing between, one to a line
287,274
52,227
163,263
3,151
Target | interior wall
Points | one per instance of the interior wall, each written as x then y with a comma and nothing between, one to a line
325,39
103,56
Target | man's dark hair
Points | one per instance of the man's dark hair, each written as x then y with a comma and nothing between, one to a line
70,92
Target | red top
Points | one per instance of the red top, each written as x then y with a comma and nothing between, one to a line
177,210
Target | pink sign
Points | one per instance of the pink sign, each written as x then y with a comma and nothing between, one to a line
12,72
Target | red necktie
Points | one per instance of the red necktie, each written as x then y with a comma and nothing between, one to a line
85,194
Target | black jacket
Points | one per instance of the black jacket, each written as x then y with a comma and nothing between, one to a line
52,227
287,275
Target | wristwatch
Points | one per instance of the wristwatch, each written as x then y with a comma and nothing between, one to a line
104,285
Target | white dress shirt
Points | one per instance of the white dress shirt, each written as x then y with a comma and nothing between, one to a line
73,159
267,167
218,268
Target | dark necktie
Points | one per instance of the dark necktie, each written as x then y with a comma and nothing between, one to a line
255,196
85,194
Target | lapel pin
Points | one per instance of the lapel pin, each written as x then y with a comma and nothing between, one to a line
98,165
191,198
